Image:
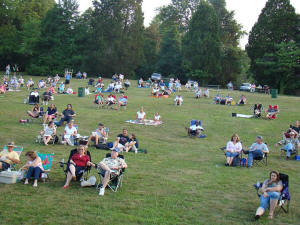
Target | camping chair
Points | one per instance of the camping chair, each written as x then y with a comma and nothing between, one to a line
272,112
79,176
115,181
193,122
124,104
284,200
54,138
257,110
294,151
74,139
259,161
17,149
47,159
236,160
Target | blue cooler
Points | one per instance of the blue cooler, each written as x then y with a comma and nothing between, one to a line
298,157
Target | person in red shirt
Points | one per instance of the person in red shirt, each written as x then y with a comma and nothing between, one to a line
77,164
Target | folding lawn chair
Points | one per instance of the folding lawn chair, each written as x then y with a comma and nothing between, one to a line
47,159
259,160
17,149
124,104
192,123
115,181
79,176
284,200
237,160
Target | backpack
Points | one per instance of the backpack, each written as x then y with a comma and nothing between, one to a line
102,146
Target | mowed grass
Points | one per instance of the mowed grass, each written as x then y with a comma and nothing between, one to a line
181,180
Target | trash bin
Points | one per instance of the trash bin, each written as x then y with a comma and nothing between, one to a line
274,93
81,92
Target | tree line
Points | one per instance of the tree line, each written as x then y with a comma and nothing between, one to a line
188,39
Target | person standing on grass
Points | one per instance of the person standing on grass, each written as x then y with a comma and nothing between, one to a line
33,166
271,190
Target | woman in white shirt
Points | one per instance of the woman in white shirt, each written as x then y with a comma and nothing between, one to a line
33,166
69,134
157,117
141,115
233,149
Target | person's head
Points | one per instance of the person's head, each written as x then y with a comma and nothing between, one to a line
235,138
36,105
81,149
30,155
100,125
274,176
197,123
10,146
141,109
50,124
297,124
259,139
133,136
156,114
52,106
69,106
70,124
125,132
115,153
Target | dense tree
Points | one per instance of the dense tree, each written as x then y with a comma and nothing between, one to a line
117,37
277,23
169,62
202,47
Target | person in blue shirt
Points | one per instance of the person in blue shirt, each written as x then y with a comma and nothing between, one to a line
257,149
68,78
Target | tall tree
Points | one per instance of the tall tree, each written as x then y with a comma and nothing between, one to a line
202,47
170,52
117,36
277,23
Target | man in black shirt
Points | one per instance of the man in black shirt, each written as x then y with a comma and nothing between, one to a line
67,115
122,141
296,127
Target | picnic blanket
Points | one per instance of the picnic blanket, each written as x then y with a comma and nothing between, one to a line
146,122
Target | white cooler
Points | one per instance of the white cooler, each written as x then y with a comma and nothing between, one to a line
9,177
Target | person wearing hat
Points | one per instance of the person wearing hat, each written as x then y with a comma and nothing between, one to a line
109,167
8,157
257,149
98,135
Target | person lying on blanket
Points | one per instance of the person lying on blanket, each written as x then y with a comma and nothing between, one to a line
8,157
109,167
122,141
141,116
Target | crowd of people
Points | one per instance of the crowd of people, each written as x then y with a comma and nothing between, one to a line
109,166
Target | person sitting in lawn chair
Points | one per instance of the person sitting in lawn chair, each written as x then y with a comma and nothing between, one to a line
122,141
110,167
271,190
111,100
291,143
195,128
272,112
233,149
257,110
198,93
178,100
70,134
243,100
33,166
50,113
99,135
66,116
205,93
296,127
257,149
35,113
99,100
77,165
122,101
48,132
8,157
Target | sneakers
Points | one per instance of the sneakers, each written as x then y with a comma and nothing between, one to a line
101,192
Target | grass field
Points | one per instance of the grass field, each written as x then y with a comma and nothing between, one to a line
180,181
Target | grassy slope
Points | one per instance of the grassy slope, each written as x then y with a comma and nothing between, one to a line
180,181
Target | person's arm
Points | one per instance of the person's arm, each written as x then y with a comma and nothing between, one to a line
54,131
265,149
144,116
228,147
36,161
278,188
16,161
25,166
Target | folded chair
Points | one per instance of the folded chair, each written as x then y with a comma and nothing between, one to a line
81,174
115,181
284,200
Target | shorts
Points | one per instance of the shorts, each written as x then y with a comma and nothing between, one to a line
5,165
193,132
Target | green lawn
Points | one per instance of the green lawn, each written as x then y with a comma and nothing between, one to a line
180,181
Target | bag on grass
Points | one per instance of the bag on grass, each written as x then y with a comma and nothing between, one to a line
236,161
102,146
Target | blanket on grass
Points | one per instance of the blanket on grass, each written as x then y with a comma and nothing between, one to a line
146,122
